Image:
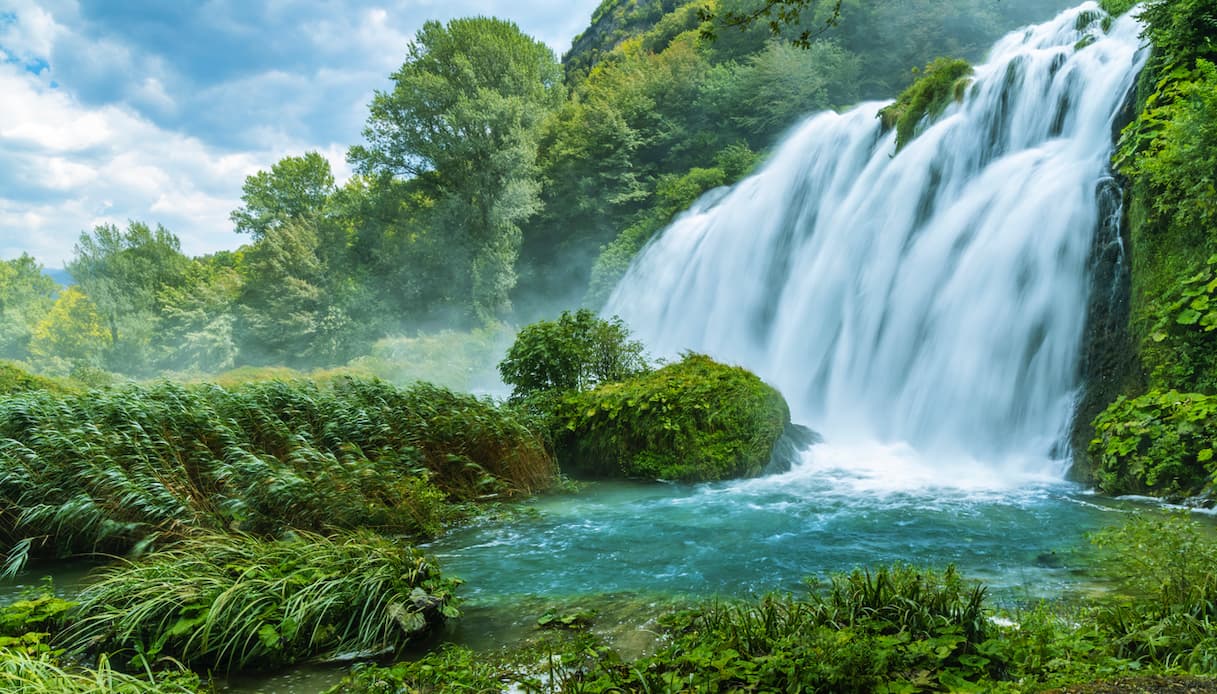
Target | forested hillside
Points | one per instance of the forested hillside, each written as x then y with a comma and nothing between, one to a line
494,184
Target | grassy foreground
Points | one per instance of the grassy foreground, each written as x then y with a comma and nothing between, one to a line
141,466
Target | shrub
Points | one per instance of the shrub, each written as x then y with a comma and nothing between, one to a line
14,379
232,601
1157,443
1170,569
575,352
694,420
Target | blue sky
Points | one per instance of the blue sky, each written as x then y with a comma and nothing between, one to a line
157,110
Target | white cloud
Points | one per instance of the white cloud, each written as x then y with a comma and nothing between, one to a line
105,119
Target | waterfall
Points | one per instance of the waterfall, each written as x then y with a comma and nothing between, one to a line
931,300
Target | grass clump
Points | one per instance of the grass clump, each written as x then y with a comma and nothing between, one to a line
45,673
694,420
130,468
14,379
942,82
235,601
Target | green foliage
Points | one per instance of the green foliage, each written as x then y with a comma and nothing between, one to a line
45,673
233,601
1160,443
695,420
1181,29
463,117
122,273
140,466
26,295
1171,569
1115,8
778,15
14,379
926,98
72,331
42,613
573,353
295,188
1180,347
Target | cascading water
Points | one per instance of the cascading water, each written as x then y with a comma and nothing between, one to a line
930,300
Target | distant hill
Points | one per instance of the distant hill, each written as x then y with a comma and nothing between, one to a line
60,275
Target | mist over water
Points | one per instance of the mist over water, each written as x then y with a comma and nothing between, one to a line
922,310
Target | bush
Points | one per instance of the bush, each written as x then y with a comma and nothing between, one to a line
1159,443
14,379
229,602
1170,570
573,353
695,420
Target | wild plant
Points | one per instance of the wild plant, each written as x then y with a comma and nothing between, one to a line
233,601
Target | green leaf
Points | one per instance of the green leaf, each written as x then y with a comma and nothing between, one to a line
1188,317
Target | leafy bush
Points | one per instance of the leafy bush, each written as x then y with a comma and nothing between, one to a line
1171,571
573,353
232,601
127,468
1159,443
694,420
942,82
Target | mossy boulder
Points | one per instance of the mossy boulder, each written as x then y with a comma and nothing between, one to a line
944,80
695,420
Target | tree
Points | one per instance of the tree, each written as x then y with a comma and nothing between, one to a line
123,273
26,295
463,118
291,311
198,317
573,353
778,15
294,188
73,330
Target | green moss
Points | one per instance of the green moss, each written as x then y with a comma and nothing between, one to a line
943,81
1159,443
694,420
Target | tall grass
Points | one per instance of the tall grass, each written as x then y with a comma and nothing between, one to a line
231,601
43,673
128,468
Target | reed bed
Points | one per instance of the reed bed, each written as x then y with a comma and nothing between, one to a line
227,602
131,468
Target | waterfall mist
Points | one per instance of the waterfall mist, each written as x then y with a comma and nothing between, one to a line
926,305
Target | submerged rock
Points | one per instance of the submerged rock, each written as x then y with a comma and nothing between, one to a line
692,421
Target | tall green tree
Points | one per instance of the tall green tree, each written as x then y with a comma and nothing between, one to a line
26,295
123,272
294,188
463,118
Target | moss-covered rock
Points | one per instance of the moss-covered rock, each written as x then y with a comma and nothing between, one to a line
694,420
943,81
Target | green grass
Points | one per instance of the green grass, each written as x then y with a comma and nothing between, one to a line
44,673
230,601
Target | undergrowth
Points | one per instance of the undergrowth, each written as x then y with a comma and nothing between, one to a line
135,467
229,602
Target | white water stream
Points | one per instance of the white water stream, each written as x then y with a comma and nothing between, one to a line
922,310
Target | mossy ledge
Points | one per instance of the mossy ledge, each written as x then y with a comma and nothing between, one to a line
692,421
943,81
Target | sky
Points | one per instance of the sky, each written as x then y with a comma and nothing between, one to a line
157,110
